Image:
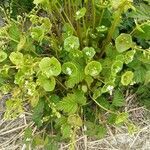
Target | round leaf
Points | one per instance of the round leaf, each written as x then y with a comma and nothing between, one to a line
76,54
75,120
16,58
123,42
37,33
80,13
127,77
71,43
129,56
89,52
50,66
93,68
3,56
116,66
69,68
47,83
67,30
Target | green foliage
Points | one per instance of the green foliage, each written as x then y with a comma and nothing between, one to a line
127,77
118,99
93,68
70,103
123,42
71,43
47,83
50,66
80,13
3,56
97,131
72,61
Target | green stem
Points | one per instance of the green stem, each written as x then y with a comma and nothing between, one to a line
66,18
94,13
69,10
73,138
136,28
60,14
113,27
61,84
110,33
110,111
101,17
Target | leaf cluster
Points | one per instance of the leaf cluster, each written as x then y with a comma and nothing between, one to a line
72,61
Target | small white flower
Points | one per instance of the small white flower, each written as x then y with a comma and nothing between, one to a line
28,140
84,128
69,71
22,115
88,53
110,89
71,45
94,72
26,82
78,13
102,27
117,69
30,92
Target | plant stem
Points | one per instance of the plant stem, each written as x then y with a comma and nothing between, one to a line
94,13
102,106
101,17
66,16
60,14
115,23
73,138
110,32
136,28
61,84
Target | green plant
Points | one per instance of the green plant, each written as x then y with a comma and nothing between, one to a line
72,62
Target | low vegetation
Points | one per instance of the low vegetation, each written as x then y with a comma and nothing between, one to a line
72,61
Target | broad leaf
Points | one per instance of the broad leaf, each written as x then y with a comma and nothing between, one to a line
50,66
47,83
123,42
129,56
97,93
93,68
68,104
69,68
37,33
116,66
121,118
80,13
118,99
89,52
66,131
127,78
38,113
16,58
67,30
75,120
71,43
94,130
3,56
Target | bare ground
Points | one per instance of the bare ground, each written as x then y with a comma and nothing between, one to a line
11,132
